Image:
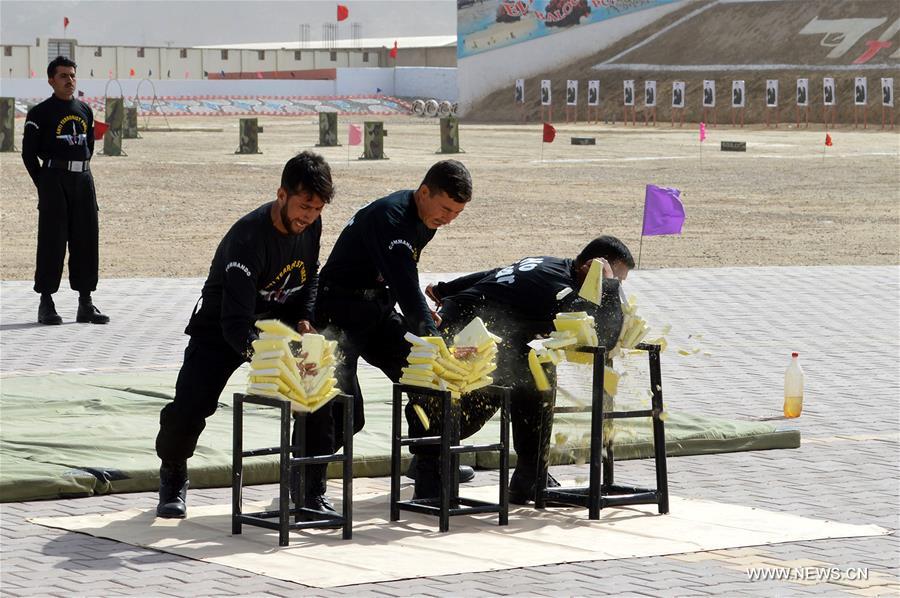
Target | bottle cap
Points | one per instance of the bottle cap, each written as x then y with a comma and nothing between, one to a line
795,354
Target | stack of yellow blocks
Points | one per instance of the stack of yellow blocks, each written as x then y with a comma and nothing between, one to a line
307,379
431,364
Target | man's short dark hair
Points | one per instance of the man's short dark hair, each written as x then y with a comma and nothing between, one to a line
451,177
308,172
59,61
609,248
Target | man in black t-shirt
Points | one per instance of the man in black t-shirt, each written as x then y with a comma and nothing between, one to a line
374,265
265,267
518,303
57,146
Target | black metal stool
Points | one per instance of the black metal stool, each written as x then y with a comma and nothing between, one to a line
287,463
449,502
598,495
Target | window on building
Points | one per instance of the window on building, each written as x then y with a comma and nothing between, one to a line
182,53
261,54
7,50
224,54
333,56
98,51
298,55
140,52
60,47
365,57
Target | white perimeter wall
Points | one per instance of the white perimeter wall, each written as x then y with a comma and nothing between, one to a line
484,73
431,82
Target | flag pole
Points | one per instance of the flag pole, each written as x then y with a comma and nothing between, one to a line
643,220
542,147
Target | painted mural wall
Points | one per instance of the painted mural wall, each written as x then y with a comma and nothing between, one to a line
485,25
500,41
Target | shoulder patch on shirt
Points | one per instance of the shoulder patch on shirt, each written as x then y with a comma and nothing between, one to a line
239,266
403,242
32,123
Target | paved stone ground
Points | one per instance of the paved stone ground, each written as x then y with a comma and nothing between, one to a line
845,321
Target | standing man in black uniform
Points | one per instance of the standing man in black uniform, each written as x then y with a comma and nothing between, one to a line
60,133
372,266
518,303
265,267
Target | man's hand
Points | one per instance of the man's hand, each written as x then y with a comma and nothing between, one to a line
607,269
304,327
436,317
431,294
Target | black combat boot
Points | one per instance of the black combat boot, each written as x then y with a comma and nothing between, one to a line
88,312
521,486
466,473
47,311
173,487
428,477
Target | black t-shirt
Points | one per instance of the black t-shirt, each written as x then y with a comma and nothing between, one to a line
380,247
59,130
521,300
257,272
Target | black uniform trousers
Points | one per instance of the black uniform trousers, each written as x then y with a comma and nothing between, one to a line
363,326
67,214
208,364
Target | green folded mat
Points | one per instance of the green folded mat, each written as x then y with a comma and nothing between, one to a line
69,435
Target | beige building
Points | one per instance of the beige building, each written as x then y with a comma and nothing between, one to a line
267,60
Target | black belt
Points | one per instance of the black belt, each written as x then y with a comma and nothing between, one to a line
70,165
367,294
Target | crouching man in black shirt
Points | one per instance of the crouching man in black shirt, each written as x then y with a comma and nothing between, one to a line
265,267
518,303
372,266
57,146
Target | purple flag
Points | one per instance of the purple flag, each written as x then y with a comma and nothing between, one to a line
663,212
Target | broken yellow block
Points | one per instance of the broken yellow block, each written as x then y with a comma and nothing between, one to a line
279,328
537,372
423,417
592,287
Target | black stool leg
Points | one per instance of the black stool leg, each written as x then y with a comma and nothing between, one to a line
237,463
596,435
504,457
446,482
659,433
284,510
396,402
348,467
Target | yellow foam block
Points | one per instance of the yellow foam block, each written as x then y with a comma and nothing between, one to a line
592,287
481,383
420,382
610,381
423,417
314,345
280,328
418,373
537,371
278,382
421,359
475,334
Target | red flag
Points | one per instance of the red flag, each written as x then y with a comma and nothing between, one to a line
131,72
99,129
259,75
342,12
65,23
393,52
827,140
549,133
355,136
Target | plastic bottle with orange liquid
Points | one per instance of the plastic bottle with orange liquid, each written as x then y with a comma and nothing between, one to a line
793,387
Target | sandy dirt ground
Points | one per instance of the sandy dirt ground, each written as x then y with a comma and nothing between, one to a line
165,206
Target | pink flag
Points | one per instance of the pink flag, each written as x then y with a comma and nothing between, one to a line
355,135
702,132
259,75
663,211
